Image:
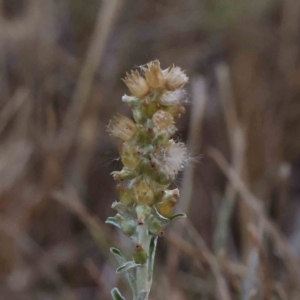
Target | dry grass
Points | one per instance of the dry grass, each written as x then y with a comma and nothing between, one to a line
61,64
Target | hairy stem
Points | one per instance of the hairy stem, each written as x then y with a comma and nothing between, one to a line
143,277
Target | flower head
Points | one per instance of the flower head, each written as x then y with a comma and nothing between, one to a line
171,98
143,193
126,194
137,84
122,127
129,156
165,208
154,75
175,78
170,158
163,122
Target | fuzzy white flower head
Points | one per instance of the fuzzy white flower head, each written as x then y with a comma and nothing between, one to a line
170,98
163,122
175,78
127,99
170,158
154,75
137,84
122,127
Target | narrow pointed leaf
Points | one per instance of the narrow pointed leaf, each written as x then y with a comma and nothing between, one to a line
112,221
128,265
161,218
142,295
121,209
117,253
122,260
116,295
178,216
152,249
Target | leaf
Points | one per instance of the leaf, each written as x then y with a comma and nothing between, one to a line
118,206
121,208
116,294
161,218
112,221
152,249
116,251
128,265
122,260
142,295
178,216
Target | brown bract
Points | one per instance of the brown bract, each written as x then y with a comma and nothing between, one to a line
137,85
175,78
122,127
154,75
163,122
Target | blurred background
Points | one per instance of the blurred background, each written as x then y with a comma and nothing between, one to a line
61,64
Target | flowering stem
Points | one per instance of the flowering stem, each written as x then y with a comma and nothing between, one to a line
151,160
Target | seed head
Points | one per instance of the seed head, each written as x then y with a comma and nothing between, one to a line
122,127
163,122
170,98
170,158
175,78
154,75
137,85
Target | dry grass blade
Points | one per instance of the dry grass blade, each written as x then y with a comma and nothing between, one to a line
265,274
289,258
105,20
12,107
97,276
186,248
199,100
98,230
222,288
236,138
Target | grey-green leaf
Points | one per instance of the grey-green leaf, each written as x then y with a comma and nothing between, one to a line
178,216
142,295
116,252
152,249
128,265
116,295
112,221
121,208
121,260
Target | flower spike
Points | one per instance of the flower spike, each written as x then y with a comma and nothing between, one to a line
151,161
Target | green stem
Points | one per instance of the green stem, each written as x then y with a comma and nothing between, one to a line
145,271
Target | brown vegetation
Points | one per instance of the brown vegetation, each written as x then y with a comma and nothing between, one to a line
61,64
